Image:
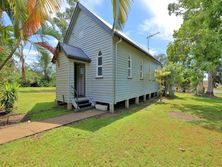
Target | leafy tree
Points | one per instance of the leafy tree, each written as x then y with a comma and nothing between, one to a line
20,54
218,76
160,76
62,19
47,30
44,64
162,58
9,96
175,77
198,41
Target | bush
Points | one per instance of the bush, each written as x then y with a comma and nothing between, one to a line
9,96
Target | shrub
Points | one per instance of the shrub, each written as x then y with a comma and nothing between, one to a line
9,96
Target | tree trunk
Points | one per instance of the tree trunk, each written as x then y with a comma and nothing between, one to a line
166,90
23,71
210,87
171,91
23,65
200,89
11,54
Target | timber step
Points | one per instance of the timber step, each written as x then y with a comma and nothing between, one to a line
84,103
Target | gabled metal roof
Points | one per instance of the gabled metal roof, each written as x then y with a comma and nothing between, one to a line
73,52
106,26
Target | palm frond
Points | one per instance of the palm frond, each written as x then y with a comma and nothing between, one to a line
120,12
19,16
49,30
39,11
45,45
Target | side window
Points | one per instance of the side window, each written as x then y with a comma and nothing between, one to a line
99,65
141,70
129,67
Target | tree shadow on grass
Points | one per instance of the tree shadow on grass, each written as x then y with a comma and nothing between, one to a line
95,123
98,122
214,100
45,110
210,115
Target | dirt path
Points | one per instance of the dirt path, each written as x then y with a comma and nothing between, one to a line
27,129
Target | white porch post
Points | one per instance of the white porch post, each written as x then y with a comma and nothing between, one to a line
111,108
144,98
127,103
137,100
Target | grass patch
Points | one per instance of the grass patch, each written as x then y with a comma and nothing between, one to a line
38,103
37,89
145,135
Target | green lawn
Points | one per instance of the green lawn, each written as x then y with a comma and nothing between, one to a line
143,136
38,103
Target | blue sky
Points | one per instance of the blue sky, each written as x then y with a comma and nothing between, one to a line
145,17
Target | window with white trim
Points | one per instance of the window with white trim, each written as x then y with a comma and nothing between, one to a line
141,70
129,67
99,67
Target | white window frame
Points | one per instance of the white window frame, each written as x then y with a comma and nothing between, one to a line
99,66
141,69
129,68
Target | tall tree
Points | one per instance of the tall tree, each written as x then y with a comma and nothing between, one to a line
201,34
160,75
44,63
62,19
27,17
21,56
162,58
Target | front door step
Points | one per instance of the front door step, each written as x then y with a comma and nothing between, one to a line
83,104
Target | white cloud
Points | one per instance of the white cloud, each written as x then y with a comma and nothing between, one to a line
160,19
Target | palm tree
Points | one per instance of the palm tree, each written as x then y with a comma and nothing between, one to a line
27,17
120,12
43,32
21,56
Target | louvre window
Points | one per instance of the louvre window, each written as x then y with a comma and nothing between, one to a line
99,64
141,70
129,67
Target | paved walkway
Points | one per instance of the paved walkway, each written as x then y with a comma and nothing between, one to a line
27,129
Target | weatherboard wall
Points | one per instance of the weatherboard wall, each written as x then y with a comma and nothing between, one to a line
127,88
91,38
62,78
